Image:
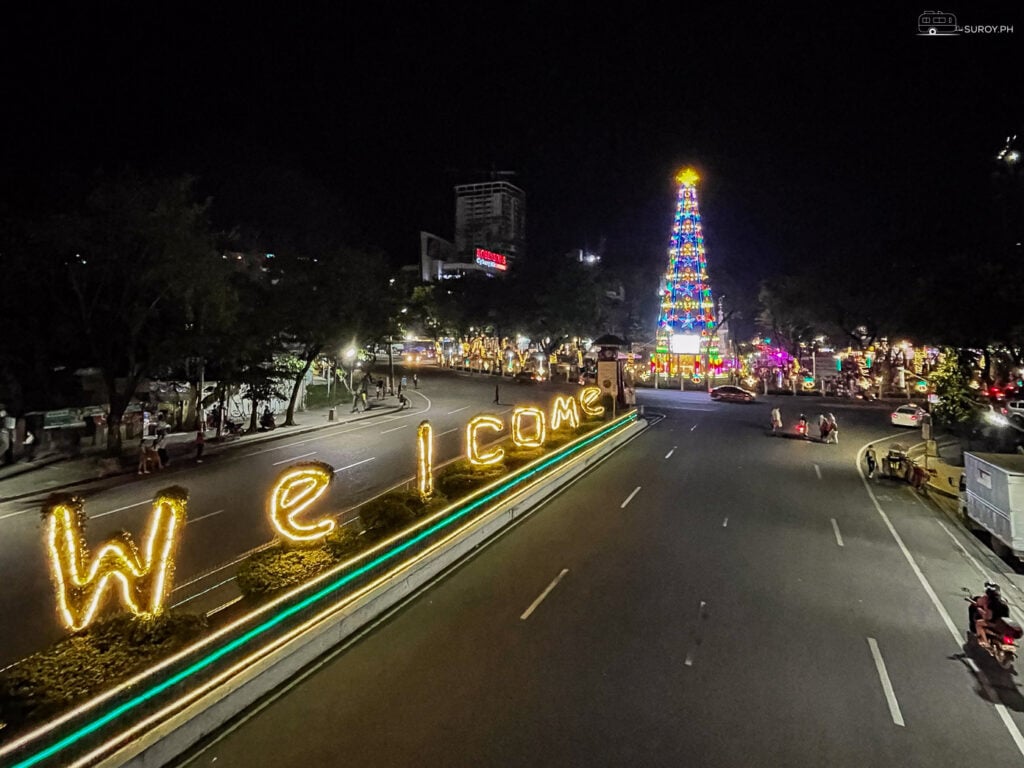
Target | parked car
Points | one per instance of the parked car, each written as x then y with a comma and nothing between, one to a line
732,394
908,415
525,377
1014,409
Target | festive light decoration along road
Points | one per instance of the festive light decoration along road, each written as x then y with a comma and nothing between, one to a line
473,452
274,613
143,581
425,459
539,427
297,488
565,410
588,397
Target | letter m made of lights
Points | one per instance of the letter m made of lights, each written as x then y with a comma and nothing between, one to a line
140,578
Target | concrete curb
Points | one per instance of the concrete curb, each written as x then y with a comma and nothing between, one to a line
180,732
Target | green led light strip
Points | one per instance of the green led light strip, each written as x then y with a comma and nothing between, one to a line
237,643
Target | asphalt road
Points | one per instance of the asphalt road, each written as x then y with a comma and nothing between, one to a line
227,502
707,596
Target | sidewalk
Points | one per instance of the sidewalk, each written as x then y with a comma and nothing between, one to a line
57,472
943,476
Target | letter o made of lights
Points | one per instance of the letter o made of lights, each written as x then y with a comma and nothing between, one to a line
539,427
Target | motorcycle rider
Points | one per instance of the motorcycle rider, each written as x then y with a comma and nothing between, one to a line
802,425
267,420
986,611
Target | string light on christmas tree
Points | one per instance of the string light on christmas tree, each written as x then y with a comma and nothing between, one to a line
686,324
143,581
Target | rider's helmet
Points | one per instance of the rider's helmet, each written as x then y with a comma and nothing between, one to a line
992,589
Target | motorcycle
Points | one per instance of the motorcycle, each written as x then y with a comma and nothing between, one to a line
801,428
1001,637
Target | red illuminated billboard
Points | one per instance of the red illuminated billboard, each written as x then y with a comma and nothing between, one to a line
491,259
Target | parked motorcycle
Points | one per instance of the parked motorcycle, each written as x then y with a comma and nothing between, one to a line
1001,635
267,422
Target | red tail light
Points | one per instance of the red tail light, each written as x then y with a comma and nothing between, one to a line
1008,639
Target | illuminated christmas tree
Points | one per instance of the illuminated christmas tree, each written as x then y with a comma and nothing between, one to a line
687,323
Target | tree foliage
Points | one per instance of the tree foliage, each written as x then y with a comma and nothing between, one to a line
952,380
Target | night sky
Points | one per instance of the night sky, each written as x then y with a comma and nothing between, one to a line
813,129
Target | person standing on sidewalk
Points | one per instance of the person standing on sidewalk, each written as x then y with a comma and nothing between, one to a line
143,457
872,460
200,445
496,393
415,381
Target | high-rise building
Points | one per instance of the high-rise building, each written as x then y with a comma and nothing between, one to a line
490,224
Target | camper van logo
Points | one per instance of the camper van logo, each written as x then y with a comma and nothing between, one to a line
937,23
944,23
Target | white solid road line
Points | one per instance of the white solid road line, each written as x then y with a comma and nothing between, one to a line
342,469
535,603
630,497
293,458
1011,726
121,509
725,523
693,427
196,520
458,409
449,431
835,527
817,471
393,429
890,696
669,454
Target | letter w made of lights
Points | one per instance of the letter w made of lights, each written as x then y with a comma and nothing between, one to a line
143,578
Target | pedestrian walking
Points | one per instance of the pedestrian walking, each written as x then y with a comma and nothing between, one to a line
776,420
153,455
362,398
161,448
415,381
200,445
872,460
496,393
380,389
355,402
823,428
833,429
143,468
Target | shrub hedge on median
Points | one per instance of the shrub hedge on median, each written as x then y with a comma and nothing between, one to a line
90,662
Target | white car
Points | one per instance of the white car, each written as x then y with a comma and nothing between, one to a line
907,416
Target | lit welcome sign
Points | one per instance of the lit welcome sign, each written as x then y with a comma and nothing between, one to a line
491,259
140,577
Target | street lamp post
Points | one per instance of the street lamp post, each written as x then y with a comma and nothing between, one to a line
350,354
391,366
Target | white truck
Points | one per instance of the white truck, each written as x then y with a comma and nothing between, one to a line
994,498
